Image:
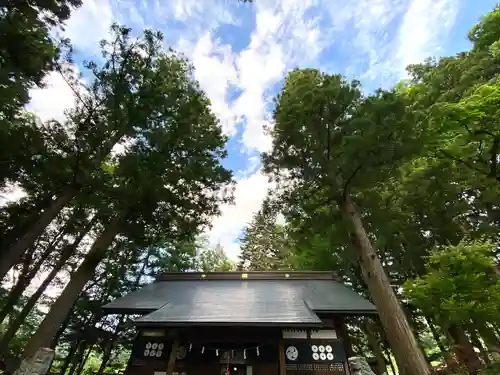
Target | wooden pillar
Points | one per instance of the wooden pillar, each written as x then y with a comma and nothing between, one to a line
282,366
172,357
341,329
342,334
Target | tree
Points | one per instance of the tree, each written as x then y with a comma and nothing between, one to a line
468,130
213,259
485,34
167,184
265,244
125,100
461,285
331,141
27,52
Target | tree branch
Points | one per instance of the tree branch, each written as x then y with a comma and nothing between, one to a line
349,180
494,158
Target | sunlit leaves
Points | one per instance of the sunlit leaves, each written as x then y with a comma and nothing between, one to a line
461,284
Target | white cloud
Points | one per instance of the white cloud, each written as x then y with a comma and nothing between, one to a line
425,25
89,24
51,101
384,36
216,72
249,194
285,37
205,13
282,38
378,38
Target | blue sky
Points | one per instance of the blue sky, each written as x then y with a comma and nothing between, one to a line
241,53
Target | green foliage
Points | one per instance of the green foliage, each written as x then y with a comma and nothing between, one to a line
467,131
212,259
460,284
485,34
265,244
419,161
27,53
492,369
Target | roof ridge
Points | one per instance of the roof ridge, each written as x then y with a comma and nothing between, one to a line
250,275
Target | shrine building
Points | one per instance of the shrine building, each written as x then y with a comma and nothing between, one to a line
241,323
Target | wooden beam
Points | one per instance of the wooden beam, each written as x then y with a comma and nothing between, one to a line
172,357
281,347
250,275
342,333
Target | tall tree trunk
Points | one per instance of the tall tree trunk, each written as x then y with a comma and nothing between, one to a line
32,213
62,306
73,348
487,333
109,349
375,346
106,356
341,328
476,341
68,360
85,359
56,338
412,322
448,358
13,254
16,324
403,342
88,323
464,349
23,282
388,354
77,357
60,332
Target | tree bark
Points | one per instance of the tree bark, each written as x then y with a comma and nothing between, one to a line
84,360
62,306
388,354
77,357
60,331
341,328
109,349
13,254
75,354
16,324
30,216
106,356
68,360
489,336
464,349
448,358
410,315
476,341
402,340
23,282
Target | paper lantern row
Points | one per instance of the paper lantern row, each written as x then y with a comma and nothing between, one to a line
153,349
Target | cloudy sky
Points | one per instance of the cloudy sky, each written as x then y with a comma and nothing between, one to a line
241,53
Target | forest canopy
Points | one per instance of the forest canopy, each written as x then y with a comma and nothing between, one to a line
397,191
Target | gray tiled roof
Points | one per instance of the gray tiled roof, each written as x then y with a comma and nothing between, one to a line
240,301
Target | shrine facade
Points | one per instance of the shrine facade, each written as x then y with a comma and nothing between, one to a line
241,323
